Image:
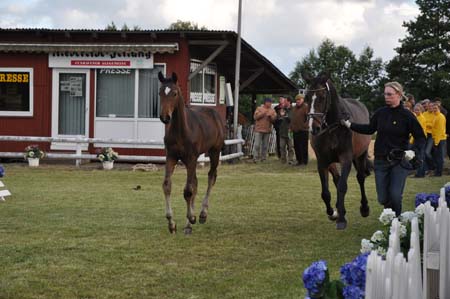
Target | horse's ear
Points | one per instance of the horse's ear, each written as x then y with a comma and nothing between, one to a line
324,76
306,75
174,78
161,77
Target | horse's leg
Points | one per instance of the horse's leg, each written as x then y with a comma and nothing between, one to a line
362,172
326,195
335,173
190,191
346,166
167,187
212,175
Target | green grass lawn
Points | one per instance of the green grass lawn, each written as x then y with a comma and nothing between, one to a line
85,233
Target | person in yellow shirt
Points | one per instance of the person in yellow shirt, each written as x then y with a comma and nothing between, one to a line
429,121
439,138
418,112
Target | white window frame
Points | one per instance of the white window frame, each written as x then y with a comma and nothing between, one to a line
136,122
202,72
31,92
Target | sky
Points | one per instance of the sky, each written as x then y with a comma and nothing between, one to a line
284,31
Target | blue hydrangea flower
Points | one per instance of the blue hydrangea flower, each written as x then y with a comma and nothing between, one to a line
314,277
352,292
2,171
354,273
420,198
433,198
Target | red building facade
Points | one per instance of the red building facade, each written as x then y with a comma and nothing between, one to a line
104,84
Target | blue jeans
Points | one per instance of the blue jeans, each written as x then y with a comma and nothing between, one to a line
420,172
429,165
260,146
390,180
438,157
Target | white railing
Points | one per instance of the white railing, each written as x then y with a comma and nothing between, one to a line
398,278
436,250
78,155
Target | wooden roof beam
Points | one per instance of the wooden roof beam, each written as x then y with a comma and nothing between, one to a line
252,78
207,60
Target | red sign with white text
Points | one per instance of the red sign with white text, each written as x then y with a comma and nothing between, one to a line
100,63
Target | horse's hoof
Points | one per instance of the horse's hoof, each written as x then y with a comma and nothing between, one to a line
365,211
192,220
341,225
173,228
202,218
188,230
334,216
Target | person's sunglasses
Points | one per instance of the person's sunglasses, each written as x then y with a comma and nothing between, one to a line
388,94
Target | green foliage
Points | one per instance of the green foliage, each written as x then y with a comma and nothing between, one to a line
355,77
185,25
423,60
113,27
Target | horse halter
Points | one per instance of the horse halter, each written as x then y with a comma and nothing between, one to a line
321,116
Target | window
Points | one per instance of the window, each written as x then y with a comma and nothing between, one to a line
148,98
115,92
16,91
203,84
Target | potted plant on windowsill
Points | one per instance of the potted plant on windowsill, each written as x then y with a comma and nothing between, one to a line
107,156
33,153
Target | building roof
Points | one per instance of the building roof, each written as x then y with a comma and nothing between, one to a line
257,74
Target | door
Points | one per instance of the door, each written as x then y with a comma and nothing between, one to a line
70,105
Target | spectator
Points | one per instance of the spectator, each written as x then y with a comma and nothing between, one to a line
429,120
286,150
418,111
410,102
299,127
439,139
276,125
264,117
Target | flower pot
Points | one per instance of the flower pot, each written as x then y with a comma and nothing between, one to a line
108,165
33,162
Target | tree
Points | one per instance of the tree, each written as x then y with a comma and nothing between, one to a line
353,77
423,60
185,25
113,27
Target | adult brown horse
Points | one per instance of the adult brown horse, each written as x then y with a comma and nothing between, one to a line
334,143
189,132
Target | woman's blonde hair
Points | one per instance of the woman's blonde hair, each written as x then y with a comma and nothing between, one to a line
397,87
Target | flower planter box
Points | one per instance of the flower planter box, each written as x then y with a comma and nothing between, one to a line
107,165
33,162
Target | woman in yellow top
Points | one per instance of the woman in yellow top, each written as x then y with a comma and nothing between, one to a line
418,112
429,121
439,139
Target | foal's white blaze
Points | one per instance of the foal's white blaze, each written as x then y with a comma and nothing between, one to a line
312,111
167,90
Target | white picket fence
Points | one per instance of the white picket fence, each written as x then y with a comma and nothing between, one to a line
398,278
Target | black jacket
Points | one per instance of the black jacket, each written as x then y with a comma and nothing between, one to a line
393,127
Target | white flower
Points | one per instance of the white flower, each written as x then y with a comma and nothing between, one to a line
403,231
377,236
31,154
420,210
366,246
406,217
101,157
381,251
387,216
